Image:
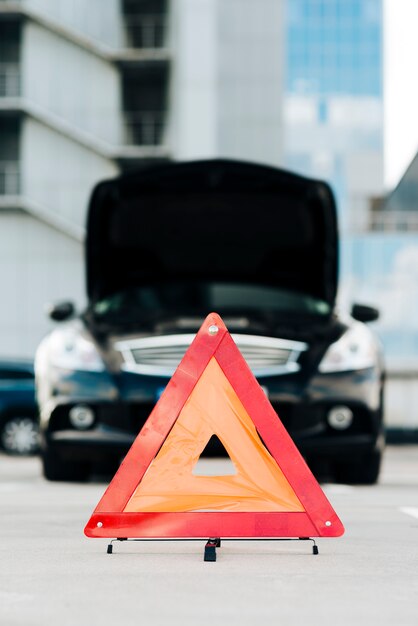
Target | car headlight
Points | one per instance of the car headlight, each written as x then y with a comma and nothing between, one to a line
355,350
71,350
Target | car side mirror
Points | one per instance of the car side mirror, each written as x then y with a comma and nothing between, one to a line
364,313
60,311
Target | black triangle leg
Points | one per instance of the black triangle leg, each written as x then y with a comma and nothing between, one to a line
315,549
110,546
210,548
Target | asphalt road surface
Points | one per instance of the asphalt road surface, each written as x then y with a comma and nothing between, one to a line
50,574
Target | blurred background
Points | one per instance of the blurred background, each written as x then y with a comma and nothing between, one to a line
92,88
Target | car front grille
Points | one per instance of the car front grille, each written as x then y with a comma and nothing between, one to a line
159,356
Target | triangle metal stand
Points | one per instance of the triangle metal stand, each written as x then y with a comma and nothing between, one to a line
215,542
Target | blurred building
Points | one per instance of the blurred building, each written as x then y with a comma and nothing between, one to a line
381,267
89,88
333,120
398,212
333,108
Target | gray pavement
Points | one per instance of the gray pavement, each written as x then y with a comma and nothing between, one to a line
51,574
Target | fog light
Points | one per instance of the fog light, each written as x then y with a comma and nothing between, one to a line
340,417
81,417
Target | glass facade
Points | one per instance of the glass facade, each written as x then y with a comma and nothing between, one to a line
334,99
334,130
334,47
381,269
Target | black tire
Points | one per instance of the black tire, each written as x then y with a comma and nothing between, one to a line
362,471
19,435
55,468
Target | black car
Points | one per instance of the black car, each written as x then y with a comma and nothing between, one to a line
19,432
166,246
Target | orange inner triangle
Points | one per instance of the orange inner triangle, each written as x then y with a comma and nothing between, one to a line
213,408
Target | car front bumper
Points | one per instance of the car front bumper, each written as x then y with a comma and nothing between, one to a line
117,424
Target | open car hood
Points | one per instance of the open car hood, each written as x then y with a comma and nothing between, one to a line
215,220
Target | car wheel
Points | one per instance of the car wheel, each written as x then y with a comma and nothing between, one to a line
363,471
20,435
55,468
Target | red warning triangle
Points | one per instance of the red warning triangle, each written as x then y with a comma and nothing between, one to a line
157,494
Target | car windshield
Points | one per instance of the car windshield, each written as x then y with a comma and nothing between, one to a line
162,299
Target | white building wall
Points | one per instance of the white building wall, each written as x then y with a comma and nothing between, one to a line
98,19
250,72
58,173
71,82
66,92
225,101
227,79
194,97
37,265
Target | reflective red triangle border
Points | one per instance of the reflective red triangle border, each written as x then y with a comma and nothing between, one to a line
108,519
